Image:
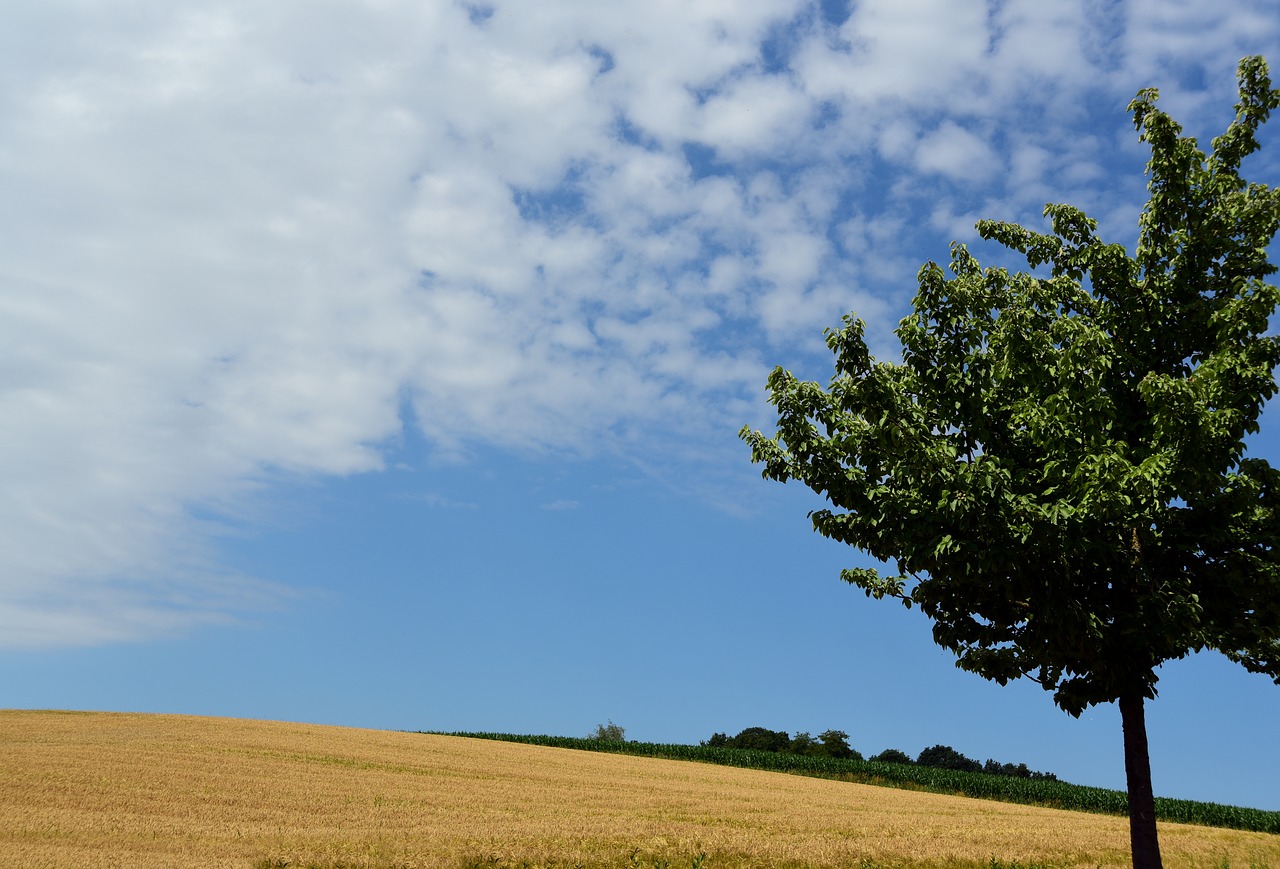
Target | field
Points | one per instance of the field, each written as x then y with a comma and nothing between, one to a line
96,789
1009,789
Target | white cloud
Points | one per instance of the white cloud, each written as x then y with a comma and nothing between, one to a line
236,240
898,140
916,51
1043,41
871,245
957,153
752,115
1190,52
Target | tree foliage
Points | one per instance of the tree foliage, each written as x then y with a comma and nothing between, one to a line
1057,468
609,733
760,739
946,757
829,743
835,743
892,755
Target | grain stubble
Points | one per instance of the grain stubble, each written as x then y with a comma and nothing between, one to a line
109,789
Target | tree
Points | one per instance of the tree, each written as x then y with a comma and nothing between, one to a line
995,767
1057,468
892,755
761,739
803,743
609,733
946,757
835,743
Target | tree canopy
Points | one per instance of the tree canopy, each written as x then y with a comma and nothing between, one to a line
946,757
1057,468
835,744
609,733
829,743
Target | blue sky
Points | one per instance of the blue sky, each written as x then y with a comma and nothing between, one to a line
381,363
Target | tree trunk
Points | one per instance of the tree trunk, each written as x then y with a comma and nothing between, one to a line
1137,771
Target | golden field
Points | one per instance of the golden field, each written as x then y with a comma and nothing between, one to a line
101,789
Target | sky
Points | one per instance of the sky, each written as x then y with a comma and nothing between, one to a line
381,363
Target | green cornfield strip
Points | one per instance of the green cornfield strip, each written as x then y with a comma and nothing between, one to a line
1055,794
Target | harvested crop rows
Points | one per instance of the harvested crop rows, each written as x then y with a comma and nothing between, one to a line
97,789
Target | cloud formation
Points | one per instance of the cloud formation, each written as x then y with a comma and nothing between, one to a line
239,243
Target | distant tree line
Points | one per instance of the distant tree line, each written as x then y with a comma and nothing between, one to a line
829,743
835,743
946,757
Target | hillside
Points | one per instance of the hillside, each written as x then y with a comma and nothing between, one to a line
98,789
1043,791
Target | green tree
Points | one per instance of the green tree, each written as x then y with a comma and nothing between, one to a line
892,755
609,733
761,739
1057,468
946,757
995,767
803,743
835,743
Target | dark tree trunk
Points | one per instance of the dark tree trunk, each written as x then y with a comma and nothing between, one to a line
1137,771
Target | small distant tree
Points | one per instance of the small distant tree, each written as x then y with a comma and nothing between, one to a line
717,740
1057,469
893,755
609,733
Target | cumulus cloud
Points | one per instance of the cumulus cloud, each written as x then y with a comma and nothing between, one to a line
237,242
911,51
957,153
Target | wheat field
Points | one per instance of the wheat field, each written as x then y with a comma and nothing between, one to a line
125,790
